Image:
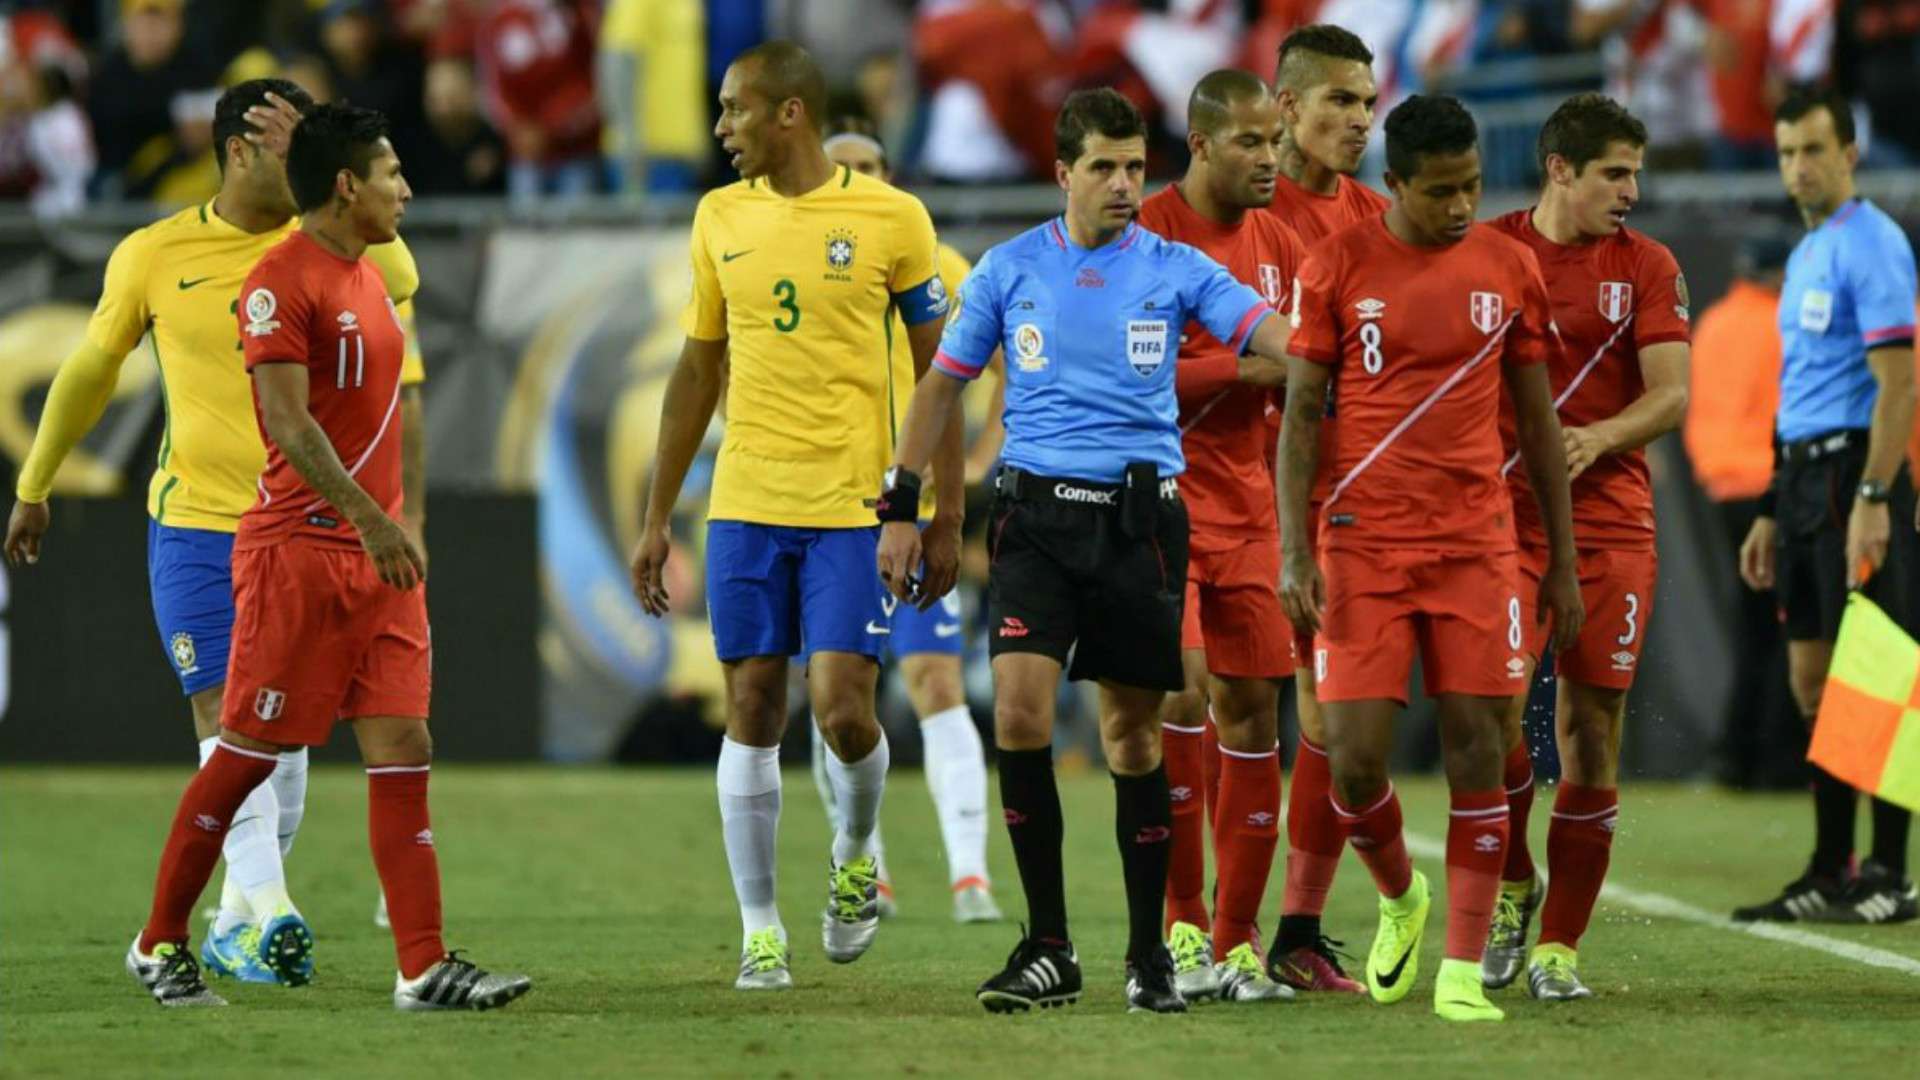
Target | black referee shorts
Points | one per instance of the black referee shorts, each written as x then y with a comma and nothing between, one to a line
1814,495
1066,582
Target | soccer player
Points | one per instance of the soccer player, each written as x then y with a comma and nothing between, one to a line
1235,641
796,269
1324,80
1846,414
330,617
1418,317
175,284
1088,533
1620,382
928,642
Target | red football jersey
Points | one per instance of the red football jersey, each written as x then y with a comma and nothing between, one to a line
1314,217
1417,338
1228,429
303,304
1611,298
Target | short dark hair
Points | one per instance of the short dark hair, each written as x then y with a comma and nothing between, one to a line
230,112
1100,111
330,138
1215,95
1299,66
1803,100
1582,128
1426,125
784,70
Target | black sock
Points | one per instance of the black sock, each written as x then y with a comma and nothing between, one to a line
1835,804
1032,802
1297,932
1143,823
1891,825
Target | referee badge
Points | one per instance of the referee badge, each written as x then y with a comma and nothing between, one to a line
1146,345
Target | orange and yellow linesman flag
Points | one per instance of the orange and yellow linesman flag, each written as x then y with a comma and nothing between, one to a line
1868,731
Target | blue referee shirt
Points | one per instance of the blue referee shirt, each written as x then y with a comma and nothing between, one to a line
1850,287
1090,337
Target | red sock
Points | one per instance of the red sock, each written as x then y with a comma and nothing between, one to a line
1377,838
1476,846
402,841
1579,845
193,843
1187,868
1210,766
1245,833
1314,836
1519,807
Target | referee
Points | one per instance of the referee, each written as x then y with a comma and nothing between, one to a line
1088,535
1841,499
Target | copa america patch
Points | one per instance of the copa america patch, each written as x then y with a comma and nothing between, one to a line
261,305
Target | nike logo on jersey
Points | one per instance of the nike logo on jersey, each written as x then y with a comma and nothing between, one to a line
876,628
945,629
729,256
185,284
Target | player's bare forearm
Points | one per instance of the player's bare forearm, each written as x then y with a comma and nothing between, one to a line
1300,448
936,401
693,391
1892,412
79,395
282,390
1660,407
413,456
1545,454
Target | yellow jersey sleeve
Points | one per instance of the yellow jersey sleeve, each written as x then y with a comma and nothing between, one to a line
413,366
706,315
953,268
397,269
914,260
121,317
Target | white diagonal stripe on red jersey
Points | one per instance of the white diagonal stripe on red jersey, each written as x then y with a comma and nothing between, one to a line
372,445
1574,383
1426,403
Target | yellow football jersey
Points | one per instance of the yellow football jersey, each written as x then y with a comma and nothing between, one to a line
802,290
175,283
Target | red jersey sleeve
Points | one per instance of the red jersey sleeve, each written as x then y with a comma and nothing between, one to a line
1315,312
1534,339
276,315
1662,313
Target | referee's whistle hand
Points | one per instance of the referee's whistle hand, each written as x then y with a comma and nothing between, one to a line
649,571
1303,593
899,554
1757,555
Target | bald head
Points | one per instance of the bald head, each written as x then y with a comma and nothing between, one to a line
781,71
1210,106
1309,54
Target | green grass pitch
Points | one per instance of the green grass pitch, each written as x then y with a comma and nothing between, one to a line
610,888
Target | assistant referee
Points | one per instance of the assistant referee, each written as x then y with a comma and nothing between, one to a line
1841,501
1088,535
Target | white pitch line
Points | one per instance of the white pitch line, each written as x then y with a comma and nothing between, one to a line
1666,907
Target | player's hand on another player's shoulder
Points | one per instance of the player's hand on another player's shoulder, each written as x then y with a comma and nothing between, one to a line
649,568
28,524
1559,600
1757,554
1303,592
899,556
394,556
940,554
1583,449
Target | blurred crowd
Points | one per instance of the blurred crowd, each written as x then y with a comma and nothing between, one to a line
113,99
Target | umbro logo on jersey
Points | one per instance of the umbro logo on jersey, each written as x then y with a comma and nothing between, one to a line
186,283
1487,843
1622,660
1370,308
1516,668
729,256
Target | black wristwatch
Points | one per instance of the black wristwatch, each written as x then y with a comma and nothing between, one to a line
1873,491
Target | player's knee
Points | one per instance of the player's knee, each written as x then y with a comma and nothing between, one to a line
1359,783
933,684
412,743
1188,708
1132,749
1020,725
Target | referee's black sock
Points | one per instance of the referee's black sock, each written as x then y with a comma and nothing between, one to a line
1032,802
1891,825
1835,805
1143,823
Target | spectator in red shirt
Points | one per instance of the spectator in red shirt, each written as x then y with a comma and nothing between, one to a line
535,59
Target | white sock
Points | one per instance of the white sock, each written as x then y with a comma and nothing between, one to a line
857,788
820,781
957,777
256,885
748,779
289,782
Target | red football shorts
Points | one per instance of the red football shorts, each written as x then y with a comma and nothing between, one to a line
317,637
1460,613
1302,640
1617,589
1233,607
